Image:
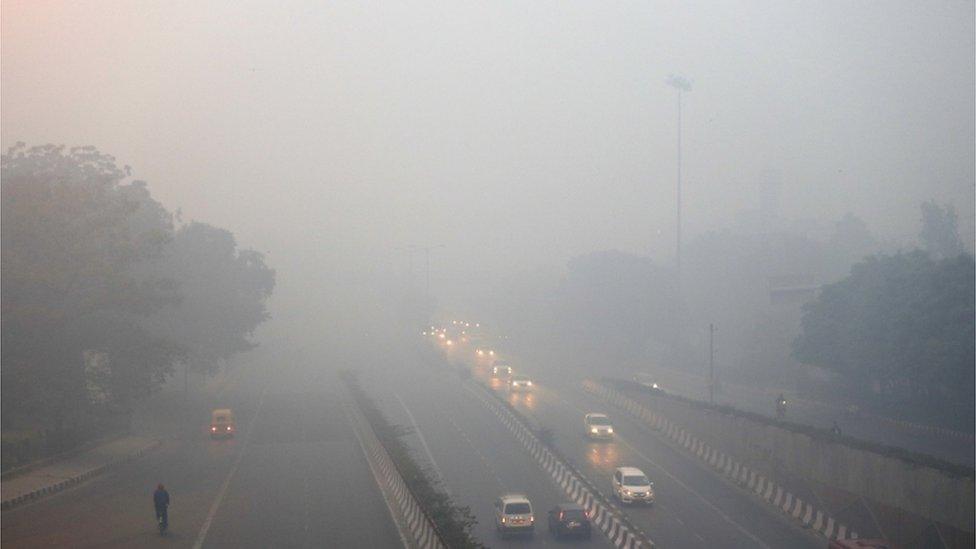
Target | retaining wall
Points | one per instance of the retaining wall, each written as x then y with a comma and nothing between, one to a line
938,495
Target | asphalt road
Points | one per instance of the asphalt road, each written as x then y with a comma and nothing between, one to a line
476,457
694,508
294,477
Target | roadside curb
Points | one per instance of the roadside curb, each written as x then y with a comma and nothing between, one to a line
617,529
63,484
763,487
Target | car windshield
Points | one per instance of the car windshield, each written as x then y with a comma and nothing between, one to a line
573,514
518,509
599,420
636,480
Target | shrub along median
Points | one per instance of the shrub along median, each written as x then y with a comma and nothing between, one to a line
452,522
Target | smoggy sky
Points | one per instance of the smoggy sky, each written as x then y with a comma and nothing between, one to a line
516,134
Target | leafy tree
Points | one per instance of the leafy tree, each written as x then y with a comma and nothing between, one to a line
902,323
223,291
939,234
70,254
614,305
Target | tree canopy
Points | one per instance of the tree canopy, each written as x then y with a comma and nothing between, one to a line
93,271
901,323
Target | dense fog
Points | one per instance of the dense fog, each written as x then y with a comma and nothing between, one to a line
532,147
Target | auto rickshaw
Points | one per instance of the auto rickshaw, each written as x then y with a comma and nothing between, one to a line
222,423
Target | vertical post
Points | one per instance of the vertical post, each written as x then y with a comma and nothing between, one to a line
186,380
427,258
711,363
678,216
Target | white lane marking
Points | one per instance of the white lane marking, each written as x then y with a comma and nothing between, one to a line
380,484
481,456
423,442
202,536
690,490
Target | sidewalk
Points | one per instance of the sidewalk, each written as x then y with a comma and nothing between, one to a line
57,476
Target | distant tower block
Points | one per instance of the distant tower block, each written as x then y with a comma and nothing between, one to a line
770,190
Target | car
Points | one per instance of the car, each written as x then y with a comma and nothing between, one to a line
648,381
501,369
631,485
569,519
520,383
513,515
222,423
597,426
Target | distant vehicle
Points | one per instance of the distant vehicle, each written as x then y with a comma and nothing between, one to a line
647,380
598,426
631,485
569,519
513,514
501,369
519,383
781,406
222,423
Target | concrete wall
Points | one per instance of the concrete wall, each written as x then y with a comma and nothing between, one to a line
919,489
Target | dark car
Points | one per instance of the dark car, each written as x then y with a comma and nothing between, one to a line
569,519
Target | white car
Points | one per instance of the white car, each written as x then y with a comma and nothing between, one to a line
597,426
520,383
501,369
630,485
513,514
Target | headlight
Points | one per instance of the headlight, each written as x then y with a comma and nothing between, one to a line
593,430
626,492
609,429
654,385
528,383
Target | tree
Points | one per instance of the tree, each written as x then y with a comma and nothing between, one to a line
615,305
939,234
70,258
902,323
223,289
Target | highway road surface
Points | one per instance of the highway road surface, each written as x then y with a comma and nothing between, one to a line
293,477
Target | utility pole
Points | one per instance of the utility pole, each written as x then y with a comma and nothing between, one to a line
426,250
711,363
682,85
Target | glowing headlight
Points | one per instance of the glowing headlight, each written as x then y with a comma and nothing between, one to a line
609,429
529,383
654,385
593,430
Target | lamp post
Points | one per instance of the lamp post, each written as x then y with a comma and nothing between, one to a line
426,250
681,84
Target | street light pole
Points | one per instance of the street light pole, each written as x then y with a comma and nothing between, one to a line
711,363
682,85
426,250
